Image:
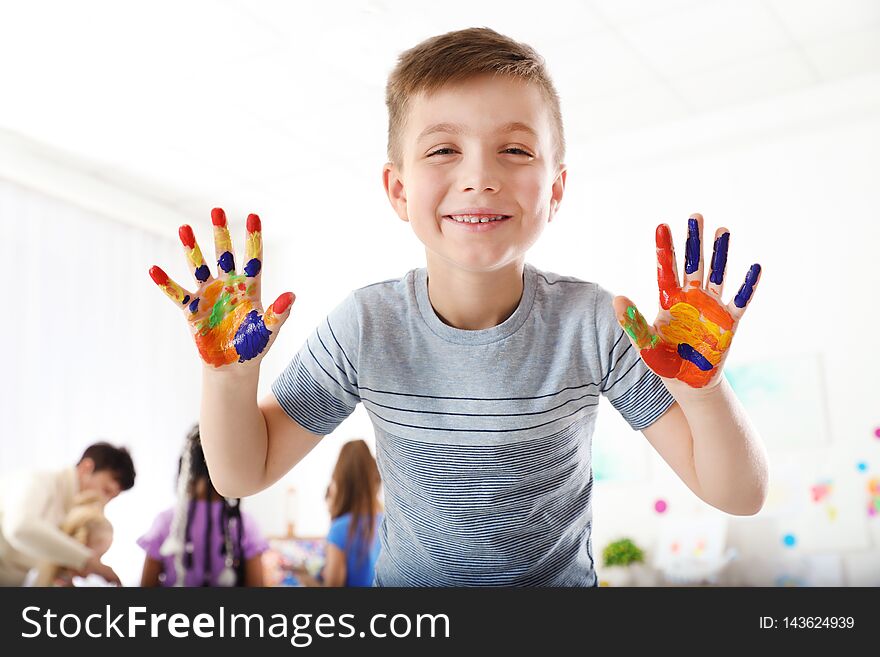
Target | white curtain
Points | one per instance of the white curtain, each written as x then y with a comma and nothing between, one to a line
92,350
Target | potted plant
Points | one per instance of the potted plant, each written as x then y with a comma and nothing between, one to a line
619,558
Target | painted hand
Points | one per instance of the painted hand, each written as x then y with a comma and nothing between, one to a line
691,336
225,313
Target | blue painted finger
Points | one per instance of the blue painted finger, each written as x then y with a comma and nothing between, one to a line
745,292
692,249
719,259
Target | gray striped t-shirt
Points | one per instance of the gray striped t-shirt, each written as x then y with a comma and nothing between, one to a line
483,438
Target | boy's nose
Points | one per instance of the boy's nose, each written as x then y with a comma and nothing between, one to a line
479,175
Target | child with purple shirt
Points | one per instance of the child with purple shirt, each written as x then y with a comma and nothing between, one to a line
205,535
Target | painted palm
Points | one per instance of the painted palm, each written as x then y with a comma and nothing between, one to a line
225,314
691,336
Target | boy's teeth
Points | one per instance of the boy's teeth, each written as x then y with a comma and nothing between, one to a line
473,219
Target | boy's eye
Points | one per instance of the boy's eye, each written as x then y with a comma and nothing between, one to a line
447,151
518,151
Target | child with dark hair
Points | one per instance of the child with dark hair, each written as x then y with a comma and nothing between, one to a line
115,461
355,512
33,505
206,536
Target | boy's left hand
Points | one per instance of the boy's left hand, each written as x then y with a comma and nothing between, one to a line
691,336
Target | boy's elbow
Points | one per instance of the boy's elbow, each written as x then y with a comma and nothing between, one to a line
232,489
748,506
749,510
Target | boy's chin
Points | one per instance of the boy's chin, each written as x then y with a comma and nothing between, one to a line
479,263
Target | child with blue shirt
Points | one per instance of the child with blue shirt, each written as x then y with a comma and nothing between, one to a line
481,374
355,512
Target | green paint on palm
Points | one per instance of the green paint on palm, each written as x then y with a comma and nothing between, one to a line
218,312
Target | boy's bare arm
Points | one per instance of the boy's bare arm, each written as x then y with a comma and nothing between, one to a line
28,531
248,447
708,440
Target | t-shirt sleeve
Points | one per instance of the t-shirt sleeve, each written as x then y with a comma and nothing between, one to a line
338,534
633,389
253,542
319,388
156,535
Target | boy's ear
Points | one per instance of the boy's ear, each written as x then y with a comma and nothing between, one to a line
393,183
86,466
558,191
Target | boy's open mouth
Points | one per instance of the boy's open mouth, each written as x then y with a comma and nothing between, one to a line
476,218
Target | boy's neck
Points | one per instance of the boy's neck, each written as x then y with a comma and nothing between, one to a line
474,300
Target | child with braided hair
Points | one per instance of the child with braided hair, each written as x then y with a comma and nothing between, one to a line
205,536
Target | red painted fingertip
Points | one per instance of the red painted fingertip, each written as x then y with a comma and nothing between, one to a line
253,223
159,277
282,303
218,217
186,236
663,236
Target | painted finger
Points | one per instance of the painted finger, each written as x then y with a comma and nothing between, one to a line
222,244
667,269
657,354
194,257
633,322
693,255
715,284
177,294
744,296
254,254
279,311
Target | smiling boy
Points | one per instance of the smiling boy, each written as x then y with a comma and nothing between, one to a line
480,373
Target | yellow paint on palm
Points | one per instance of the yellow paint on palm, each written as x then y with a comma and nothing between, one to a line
638,329
687,327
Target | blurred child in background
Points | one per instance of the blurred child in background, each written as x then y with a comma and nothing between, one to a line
206,536
356,516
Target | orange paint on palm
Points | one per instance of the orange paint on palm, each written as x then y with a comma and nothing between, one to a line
209,298
708,307
693,375
216,347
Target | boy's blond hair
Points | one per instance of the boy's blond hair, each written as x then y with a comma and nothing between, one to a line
456,57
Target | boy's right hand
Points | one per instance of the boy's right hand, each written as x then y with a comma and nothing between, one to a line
95,566
225,314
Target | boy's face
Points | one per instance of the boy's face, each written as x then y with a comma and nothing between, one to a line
481,147
102,481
